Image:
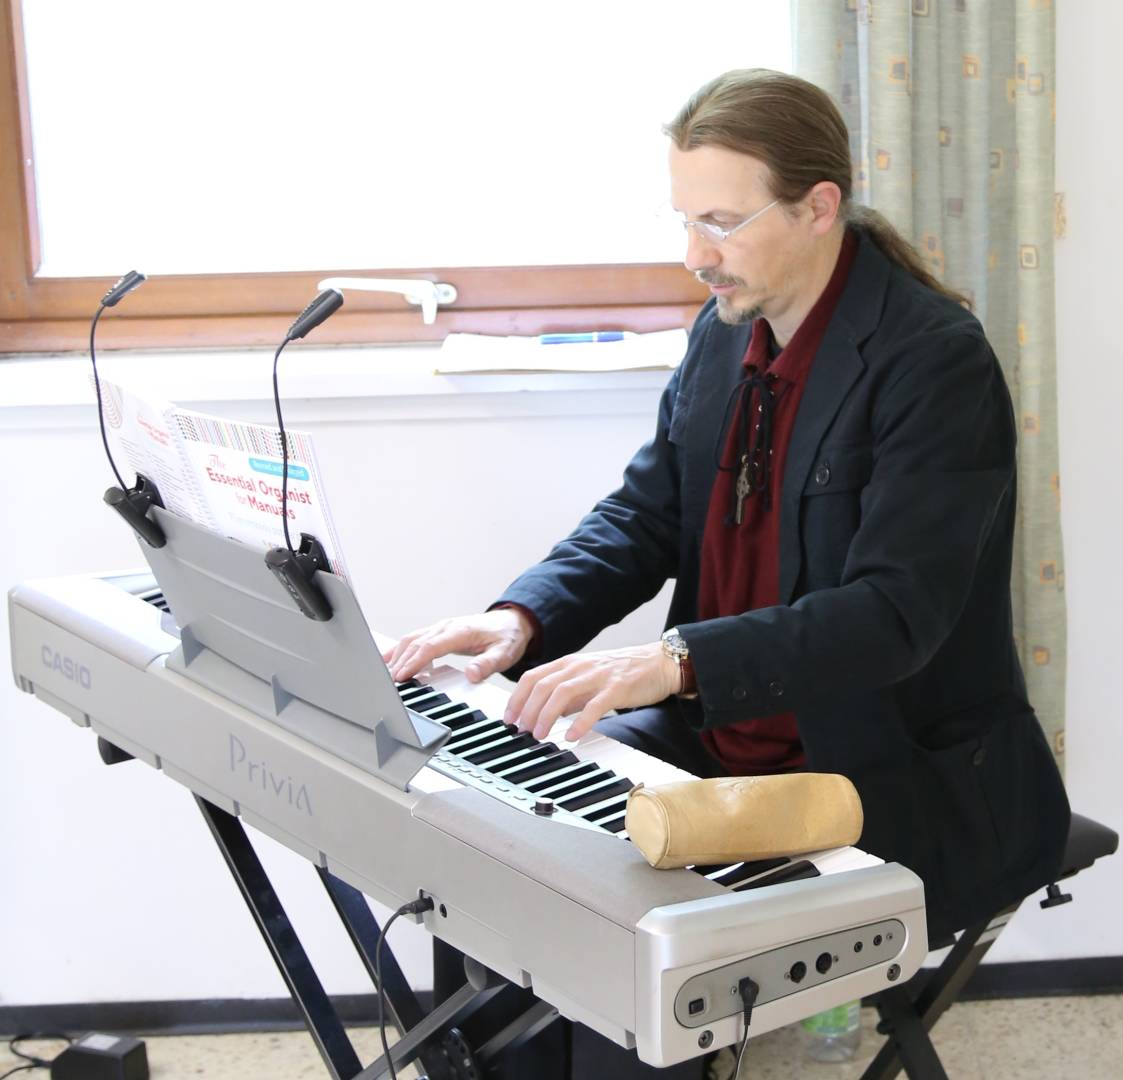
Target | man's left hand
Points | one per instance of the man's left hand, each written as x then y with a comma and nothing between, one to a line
593,683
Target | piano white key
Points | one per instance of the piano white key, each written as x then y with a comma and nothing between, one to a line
511,760
496,739
476,736
839,860
595,782
591,811
585,780
491,698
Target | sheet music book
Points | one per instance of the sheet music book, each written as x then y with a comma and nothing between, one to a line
222,474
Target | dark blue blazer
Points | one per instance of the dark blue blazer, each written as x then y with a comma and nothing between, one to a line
892,642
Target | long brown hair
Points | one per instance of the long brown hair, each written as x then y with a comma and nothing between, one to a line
795,129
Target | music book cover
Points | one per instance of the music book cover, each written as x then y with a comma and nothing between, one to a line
224,474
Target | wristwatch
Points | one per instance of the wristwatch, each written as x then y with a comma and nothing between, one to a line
674,646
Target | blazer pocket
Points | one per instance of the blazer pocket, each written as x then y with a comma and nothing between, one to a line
839,468
680,418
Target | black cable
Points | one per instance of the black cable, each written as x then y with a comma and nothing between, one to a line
414,907
284,449
34,1061
100,410
21,1068
748,991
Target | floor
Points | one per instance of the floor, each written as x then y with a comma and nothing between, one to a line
1070,1038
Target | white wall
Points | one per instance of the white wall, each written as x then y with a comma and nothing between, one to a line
1090,387
1090,172
111,888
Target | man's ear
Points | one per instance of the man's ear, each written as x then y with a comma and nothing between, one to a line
824,200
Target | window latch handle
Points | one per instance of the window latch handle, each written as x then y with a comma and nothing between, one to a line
418,291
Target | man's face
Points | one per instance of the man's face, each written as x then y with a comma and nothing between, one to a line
753,272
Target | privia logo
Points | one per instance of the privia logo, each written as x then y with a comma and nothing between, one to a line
258,773
67,667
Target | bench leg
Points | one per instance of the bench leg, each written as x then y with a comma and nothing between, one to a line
907,1020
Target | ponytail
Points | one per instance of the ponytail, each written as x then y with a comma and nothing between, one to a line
896,248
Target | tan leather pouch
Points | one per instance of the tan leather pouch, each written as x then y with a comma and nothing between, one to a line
742,818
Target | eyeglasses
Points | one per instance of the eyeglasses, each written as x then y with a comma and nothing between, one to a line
715,234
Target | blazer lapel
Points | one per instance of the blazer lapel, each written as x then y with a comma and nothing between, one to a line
838,366
722,371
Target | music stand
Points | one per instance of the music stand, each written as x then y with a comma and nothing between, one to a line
243,637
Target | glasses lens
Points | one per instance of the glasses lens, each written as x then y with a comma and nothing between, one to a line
712,234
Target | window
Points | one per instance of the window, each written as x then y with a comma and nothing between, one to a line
237,153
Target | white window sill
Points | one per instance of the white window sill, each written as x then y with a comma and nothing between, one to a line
362,379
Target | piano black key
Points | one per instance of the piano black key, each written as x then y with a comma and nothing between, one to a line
483,724
416,691
471,736
736,874
463,720
794,871
516,759
553,778
409,684
420,702
610,809
455,709
497,740
620,786
545,764
613,825
429,703
516,742
576,781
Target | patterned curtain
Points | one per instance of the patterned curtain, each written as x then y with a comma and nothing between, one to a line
951,105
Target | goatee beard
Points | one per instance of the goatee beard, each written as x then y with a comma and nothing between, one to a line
735,316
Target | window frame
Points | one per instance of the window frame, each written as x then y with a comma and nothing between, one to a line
41,314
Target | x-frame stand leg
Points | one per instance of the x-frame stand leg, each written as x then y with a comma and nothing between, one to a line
432,1040
907,1020
292,961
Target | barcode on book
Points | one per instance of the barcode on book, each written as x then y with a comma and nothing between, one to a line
246,438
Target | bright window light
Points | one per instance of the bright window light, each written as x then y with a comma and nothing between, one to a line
214,136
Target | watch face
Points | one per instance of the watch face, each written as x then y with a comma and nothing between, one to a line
675,644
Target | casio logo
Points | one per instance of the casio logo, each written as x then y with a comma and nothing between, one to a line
67,667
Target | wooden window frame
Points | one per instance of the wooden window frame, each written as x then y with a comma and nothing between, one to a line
39,314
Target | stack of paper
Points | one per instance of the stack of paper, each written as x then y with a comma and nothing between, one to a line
481,354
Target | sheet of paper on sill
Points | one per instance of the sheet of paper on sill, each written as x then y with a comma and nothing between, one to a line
484,354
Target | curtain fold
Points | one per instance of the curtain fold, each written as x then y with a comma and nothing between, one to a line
951,108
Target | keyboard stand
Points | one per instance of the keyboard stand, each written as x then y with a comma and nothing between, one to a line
433,1040
244,638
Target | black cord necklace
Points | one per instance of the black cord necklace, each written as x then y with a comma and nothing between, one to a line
753,440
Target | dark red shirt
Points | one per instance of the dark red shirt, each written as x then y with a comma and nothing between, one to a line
740,564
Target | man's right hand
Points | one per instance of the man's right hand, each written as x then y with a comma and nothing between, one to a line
497,639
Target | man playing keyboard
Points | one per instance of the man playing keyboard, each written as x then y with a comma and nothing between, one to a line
831,484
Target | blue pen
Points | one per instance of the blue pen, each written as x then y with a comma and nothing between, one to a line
589,336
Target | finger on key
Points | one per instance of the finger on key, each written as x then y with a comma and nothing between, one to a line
414,658
598,708
516,704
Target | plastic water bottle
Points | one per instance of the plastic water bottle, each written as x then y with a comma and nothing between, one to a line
834,1035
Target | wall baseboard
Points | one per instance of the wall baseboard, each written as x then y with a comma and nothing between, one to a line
1037,978
1046,978
212,1016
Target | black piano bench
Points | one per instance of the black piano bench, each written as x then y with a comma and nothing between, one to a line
909,1012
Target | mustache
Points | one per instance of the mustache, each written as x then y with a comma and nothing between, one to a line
711,277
